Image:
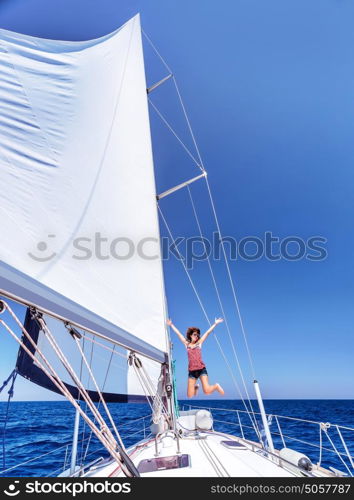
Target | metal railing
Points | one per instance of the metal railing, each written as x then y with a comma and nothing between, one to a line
287,432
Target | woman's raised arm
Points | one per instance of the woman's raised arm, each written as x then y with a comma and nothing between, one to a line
208,332
179,334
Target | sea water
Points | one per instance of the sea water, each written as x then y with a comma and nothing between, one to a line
35,439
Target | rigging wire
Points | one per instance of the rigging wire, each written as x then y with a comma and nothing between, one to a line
66,364
201,165
152,395
88,387
73,376
84,426
254,423
180,98
220,237
103,434
173,132
157,52
99,392
106,347
221,304
12,377
158,404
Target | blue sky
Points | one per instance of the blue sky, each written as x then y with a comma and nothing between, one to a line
269,88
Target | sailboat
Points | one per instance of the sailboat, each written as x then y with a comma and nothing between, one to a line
77,171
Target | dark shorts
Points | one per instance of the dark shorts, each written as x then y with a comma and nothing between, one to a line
197,373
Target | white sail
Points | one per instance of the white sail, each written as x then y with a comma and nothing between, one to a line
117,380
76,174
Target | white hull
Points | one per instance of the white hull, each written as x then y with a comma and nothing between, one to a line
208,457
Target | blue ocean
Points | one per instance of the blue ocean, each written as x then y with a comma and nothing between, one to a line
36,440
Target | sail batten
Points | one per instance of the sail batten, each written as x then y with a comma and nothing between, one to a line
78,203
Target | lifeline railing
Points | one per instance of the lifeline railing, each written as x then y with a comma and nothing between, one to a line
65,450
282,436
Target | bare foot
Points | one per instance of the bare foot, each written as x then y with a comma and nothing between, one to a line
220,389
196,389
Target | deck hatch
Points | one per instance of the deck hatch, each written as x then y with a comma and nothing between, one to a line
235,445
164,463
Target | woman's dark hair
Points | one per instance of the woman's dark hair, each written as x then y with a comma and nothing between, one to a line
192,329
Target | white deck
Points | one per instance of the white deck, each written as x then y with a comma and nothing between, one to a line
208,458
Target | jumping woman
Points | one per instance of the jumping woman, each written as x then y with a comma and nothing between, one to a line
196,366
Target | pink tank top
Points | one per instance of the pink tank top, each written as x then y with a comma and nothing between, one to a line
195,361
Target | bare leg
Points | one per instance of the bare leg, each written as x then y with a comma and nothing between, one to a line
192,388
209,389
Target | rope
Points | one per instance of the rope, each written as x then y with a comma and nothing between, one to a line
255,425
112,351
201,166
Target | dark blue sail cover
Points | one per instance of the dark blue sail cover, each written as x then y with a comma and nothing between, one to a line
27,368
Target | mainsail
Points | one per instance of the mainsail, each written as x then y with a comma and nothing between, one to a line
80,235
